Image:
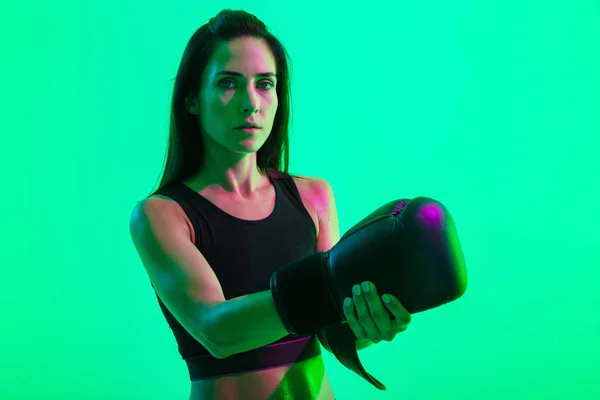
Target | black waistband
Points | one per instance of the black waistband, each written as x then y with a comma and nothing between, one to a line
278,354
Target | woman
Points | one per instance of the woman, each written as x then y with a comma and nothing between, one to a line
227,214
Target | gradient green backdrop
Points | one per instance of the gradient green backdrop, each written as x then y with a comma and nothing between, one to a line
491,107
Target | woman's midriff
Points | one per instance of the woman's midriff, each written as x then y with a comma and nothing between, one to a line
304,380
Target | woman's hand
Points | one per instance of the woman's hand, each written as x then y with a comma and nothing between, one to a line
368,314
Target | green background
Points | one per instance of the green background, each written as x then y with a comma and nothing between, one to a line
490,107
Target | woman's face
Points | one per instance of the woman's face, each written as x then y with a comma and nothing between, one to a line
228,99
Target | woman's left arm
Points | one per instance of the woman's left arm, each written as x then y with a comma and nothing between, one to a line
329,234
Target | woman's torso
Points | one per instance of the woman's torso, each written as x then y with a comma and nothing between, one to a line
303,380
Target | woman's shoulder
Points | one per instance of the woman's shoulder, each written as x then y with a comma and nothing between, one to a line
318,190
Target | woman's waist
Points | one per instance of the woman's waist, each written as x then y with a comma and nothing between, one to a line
304,379
278,354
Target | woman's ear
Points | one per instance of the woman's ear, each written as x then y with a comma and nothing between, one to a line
191,105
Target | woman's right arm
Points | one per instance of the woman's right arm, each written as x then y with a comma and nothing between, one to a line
189,288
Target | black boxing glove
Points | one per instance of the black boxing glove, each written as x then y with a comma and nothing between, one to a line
408,248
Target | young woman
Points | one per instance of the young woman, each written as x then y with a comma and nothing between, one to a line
227,214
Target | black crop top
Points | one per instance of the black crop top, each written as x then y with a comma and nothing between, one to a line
244,254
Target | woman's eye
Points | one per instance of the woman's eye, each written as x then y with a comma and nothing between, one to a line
229,80
267,82
225,81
